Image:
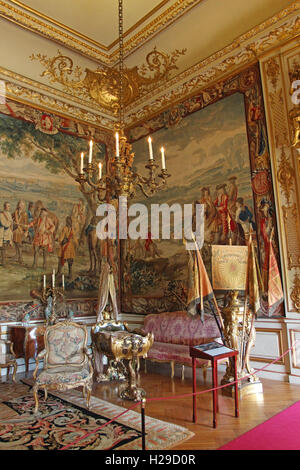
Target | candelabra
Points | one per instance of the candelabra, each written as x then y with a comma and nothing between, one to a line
122,180
49,297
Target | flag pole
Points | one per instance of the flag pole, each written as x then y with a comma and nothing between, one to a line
245,302
221,328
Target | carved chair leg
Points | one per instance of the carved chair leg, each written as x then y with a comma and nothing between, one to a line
88,396
182,372
172,369
36,398
7,372
14,372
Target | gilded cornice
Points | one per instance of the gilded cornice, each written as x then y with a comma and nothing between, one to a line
224,62
31,92
57,32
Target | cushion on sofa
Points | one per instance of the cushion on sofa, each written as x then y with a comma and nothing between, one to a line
180,328
172,352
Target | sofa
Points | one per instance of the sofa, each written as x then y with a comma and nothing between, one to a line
174,333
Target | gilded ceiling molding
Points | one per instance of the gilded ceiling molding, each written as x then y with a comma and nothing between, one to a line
15,77
101,86
17,92
18,86
29,22
43,101
85,46
212,69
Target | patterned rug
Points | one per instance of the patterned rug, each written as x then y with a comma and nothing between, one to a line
63,418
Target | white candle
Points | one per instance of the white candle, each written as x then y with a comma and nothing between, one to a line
53,278
150,148
100,170
163,161
63,281
81,162
91,152
117,145
44,281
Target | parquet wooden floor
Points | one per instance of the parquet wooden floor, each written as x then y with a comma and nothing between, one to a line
254,409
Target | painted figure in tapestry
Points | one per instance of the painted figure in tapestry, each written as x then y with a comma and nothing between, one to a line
44,218
213,144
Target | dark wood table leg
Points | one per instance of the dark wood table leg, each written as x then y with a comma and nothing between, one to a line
214,394
194,390
236,388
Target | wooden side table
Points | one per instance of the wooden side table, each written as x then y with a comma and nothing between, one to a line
28,341
213,352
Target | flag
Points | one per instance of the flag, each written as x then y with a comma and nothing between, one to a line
254,287
199,286
275,292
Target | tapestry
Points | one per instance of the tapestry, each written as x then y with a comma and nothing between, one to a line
62,420
216,152
46,222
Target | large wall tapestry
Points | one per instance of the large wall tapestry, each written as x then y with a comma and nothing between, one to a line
217,154
46,223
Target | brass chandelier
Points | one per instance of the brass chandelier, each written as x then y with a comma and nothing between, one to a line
121,179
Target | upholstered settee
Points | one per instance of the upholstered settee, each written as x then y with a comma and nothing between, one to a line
173,333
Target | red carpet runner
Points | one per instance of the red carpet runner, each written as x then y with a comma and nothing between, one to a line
281,432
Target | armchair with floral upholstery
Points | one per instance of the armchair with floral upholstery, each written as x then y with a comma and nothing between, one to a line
67,363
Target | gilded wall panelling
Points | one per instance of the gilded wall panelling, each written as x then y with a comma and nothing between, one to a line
278,100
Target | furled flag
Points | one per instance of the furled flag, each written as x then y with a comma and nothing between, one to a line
254,287
275,292
199,286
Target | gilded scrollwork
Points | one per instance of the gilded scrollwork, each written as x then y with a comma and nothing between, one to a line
273,70
102,85
285,176
295,293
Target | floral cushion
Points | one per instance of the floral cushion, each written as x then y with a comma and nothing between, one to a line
65,345
180,328
65,375
172,352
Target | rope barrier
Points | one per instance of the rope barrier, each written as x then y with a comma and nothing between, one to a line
175,397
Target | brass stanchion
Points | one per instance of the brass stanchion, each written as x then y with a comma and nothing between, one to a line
143,404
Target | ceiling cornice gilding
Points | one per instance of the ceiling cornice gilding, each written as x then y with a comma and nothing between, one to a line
244,50
62,34
23,89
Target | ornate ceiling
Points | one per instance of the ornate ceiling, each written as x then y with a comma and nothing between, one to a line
199,41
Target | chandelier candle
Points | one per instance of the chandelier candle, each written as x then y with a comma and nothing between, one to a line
163,160
150,148
91,152
81,162
100,171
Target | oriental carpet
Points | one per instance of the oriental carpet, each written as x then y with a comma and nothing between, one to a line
63,419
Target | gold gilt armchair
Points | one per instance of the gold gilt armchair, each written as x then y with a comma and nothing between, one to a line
8,358
66,361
